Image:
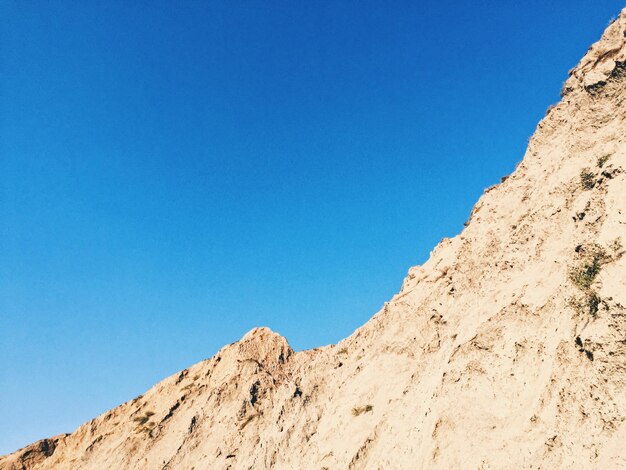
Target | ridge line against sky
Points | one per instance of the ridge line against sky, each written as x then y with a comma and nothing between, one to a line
173,176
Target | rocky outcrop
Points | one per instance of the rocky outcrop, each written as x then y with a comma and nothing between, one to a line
33,455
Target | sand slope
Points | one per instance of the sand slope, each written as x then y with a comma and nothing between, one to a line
506,349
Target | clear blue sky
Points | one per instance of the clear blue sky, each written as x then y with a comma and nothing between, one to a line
173,174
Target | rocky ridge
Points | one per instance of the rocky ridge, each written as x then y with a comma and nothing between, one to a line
507,348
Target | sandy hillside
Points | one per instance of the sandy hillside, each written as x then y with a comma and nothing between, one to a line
506,349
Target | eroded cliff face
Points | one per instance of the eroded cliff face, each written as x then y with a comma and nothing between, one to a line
506,349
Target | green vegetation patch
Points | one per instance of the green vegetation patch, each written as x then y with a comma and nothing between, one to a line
587,179
585,273
602,160
593,257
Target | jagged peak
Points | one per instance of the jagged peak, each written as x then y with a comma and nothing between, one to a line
265,346
260,333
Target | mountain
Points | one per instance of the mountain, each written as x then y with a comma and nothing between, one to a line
506,349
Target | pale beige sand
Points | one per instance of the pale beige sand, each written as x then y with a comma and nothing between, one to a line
483,360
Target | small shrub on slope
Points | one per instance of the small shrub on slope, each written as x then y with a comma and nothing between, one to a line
587,179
